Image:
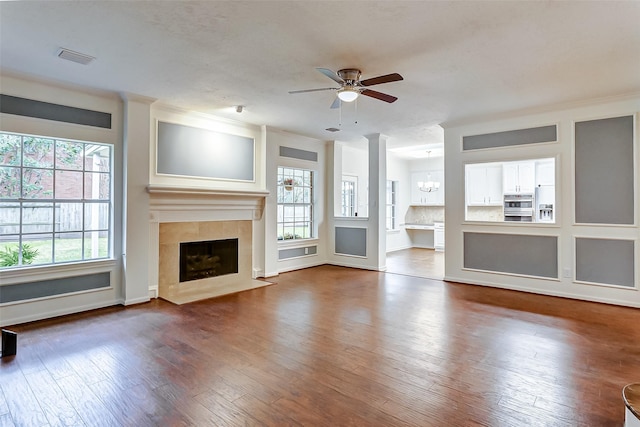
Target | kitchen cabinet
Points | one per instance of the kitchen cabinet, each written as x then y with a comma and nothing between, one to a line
519,177
419,197
484,185
545,173
438,236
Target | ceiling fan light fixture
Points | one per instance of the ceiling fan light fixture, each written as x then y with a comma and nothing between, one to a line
348,94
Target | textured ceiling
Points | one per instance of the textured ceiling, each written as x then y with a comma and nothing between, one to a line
460,60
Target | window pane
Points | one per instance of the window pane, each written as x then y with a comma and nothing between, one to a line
96,186
10,147
288,213
37,183
36,249
97,158
287,196
9,251
9,218
96,216
68,185
69,216
69,155
9,183
289,231
37,217
37,152
96,245
68,247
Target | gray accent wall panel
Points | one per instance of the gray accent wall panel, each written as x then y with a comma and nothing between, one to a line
47,288
604,180
296,252
606,261
48,111
511,137
189,151
512,253
351,241
296,153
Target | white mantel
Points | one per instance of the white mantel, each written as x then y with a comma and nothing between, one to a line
176,204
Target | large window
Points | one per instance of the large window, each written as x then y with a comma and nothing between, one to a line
55,200
295,204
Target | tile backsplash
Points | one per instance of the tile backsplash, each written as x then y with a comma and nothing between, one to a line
424,214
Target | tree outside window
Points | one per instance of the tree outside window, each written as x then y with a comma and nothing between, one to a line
55,200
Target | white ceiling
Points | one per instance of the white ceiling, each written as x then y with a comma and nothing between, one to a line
460,60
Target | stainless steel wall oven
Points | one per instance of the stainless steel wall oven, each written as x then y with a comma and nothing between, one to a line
518,207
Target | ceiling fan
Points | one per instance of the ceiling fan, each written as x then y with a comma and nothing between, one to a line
351,86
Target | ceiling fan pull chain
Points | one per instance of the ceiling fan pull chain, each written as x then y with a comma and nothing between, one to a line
356,111
340,115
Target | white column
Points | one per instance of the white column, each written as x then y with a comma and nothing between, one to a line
135,239
377,246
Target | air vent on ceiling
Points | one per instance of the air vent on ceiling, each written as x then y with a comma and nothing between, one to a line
72,56
332,129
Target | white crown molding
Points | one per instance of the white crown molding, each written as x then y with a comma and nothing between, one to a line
630,96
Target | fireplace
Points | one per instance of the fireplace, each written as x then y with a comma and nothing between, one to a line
200,260
190,215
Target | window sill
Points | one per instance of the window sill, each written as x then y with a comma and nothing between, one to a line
294,243
54,271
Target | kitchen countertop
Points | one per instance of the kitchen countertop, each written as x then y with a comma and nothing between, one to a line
421,226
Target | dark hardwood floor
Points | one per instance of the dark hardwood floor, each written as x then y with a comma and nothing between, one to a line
417,262
329,346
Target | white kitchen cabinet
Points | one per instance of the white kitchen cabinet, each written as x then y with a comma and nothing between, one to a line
438,236
484,185
519,177
545,173
419,197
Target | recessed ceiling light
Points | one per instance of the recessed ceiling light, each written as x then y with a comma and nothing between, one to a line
73,56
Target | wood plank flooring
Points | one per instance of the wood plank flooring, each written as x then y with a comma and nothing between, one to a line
329,346
417,262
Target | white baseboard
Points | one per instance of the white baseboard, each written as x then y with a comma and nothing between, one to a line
571,295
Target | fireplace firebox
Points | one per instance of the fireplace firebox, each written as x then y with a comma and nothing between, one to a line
201,260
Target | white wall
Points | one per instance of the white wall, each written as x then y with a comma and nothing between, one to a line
565,229
398,170
354,164
41,308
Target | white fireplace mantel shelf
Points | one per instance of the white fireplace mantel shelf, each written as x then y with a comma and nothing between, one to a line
177,191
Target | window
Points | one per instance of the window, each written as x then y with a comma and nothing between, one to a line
349,195
55,200
295,204
392,194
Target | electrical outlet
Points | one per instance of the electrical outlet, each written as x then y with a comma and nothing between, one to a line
306,251
566,272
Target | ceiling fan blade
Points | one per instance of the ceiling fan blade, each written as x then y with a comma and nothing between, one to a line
381,79
336,103
332,75
312,90
379,95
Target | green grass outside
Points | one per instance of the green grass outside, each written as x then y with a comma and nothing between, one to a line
66,250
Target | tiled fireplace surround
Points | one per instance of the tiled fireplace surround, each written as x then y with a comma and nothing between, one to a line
191,215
